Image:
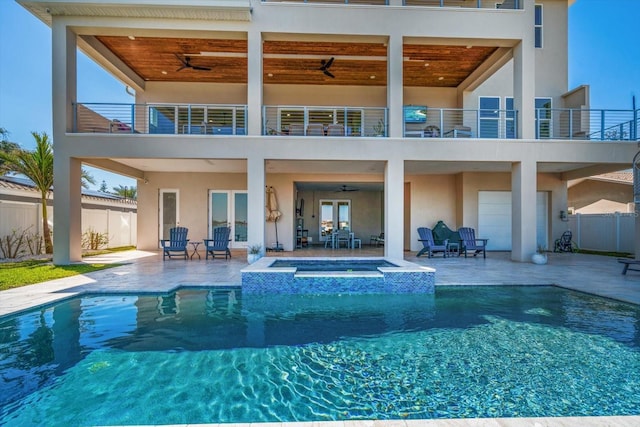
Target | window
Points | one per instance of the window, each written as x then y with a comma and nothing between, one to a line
543,117
510,120
538,26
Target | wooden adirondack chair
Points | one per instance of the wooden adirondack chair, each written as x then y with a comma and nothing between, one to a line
470,243
219,243
429,245
177,243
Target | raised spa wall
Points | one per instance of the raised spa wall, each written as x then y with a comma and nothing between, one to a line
406,277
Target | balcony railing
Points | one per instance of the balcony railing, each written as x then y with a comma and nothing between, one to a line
475,4
191,119
295,120
592,125
422,122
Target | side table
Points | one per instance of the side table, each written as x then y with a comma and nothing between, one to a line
453,248
195,249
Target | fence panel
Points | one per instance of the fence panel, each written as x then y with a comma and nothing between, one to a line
19,216
604,232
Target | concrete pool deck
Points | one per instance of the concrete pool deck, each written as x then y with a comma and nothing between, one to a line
146,272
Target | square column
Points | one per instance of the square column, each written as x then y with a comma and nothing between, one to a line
394,209
523,210
256,201
524,78
254,83
395,86
67,210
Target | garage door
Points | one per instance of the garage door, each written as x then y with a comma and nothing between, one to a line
494,219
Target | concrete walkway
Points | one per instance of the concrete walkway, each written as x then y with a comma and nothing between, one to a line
146,272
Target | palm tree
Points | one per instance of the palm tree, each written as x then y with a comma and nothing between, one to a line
126,192
37,165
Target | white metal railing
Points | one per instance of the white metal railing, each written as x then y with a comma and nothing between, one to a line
190,119
476,4
423,122
298,120
591,125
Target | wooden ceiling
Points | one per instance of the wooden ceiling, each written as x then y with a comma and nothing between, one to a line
294,62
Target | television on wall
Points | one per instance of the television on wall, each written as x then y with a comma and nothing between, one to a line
415,114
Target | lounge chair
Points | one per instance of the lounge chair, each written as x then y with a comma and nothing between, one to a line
628,263
470,243
219,243
564,243
176,243
429,246
335,130
296,129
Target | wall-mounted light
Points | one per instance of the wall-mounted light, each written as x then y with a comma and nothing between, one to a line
563,216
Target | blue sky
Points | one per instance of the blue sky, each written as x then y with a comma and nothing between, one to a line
601,54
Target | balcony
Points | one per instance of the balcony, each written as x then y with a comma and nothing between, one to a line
172,119
294,120
352,121
475,4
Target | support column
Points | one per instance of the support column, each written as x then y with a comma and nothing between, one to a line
254,83
394,209
67,210
256,201
67,206
523,210
395,87
524,79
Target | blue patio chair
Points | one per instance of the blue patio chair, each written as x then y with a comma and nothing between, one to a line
219,244
470,243
176,243
429,245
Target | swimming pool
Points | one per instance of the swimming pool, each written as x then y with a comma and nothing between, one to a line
333,265
217,355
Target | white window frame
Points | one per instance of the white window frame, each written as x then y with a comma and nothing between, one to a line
538,27
161,192
549,119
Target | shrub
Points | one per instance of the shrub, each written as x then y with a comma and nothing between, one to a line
93,240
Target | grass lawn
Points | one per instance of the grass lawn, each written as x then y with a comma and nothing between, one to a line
16,274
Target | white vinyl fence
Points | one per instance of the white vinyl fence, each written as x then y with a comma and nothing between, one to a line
604,232
120,227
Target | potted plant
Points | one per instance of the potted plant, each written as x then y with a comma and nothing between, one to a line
540,257
254,253
378,128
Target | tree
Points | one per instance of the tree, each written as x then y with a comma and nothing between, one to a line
37,165
6,147
103,187
126,192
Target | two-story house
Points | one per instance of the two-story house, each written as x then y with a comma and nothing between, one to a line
368,115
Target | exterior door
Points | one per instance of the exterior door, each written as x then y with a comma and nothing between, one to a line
169,211
229,208
334,215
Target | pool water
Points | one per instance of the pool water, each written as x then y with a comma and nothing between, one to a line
217,356
333,265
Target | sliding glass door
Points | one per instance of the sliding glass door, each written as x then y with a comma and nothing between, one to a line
229,208
334,215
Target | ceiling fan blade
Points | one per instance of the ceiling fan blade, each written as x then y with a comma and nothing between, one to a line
328,64
200,68
185,62
181,68
328,74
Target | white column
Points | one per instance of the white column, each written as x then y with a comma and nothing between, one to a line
524,78
254,83
523,210
67,207
395,86
394,209
256,200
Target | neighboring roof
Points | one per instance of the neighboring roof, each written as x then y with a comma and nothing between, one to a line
622,177
25,184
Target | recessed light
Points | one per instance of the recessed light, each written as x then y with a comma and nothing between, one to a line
426,64
469,46
440,78
132,37
164,72
270,75
372,77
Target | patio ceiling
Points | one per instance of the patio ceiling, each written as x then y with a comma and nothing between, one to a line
358,63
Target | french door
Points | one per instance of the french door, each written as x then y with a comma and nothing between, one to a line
334,215
229,208
169,211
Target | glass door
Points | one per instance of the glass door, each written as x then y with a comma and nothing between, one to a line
169,213
334,215
228,208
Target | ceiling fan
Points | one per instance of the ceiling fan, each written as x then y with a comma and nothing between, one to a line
346,188
186,63
324,67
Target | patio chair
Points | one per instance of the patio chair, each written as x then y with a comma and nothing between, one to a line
296,129
377,240
429,246
470,243
343,237
176,243
219,244
564,243
315,129
335,130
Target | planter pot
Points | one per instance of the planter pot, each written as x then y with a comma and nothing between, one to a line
251,258
539,259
